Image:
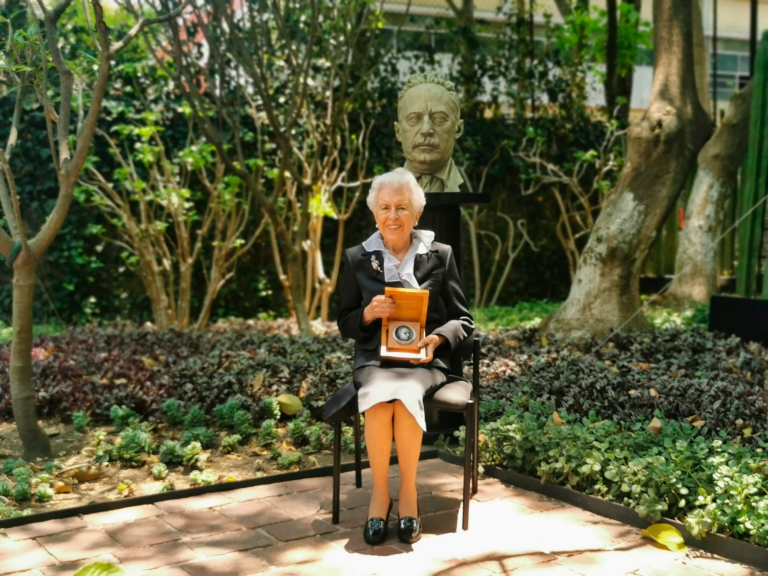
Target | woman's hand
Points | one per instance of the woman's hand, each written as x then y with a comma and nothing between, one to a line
380,307
430,342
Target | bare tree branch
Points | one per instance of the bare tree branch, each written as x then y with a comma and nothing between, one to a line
143,23
14,200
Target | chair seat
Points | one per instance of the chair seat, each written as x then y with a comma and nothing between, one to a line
451,396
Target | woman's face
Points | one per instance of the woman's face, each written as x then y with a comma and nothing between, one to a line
395,215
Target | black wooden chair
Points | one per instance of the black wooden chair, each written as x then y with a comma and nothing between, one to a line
457,395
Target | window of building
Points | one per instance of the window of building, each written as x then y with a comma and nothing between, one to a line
732,74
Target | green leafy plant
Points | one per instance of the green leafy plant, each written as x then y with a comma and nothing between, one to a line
10,464
195,418
270,408
44,478
5,489
192,453
22,492
225,413
134,444
44,493
81,420
206,477
159,471
230,443
23,473
317,437
171,454
205,436
123,417
267,432
290,460
167,487
9,512
242,423
297,429
174,415
52,465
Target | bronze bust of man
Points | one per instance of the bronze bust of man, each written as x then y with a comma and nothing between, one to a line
428,123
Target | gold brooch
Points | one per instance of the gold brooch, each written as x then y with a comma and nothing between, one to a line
375,264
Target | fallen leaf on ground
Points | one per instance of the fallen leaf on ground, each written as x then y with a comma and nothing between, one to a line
653,393
654,426
556,418
666,535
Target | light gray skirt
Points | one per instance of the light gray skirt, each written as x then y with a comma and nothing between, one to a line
390,383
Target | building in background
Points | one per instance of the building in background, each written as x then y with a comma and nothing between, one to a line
732,30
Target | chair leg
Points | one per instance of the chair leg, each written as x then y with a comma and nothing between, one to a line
470,412
336,471
358,456
475,442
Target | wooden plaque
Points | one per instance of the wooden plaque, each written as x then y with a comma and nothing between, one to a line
403,330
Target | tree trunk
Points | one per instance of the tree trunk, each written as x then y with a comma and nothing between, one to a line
296,278
701,58
624,81
661,149
33,438
718,165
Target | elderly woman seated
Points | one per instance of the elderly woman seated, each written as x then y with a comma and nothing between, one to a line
390,392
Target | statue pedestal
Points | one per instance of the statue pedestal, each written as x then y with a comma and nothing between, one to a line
442,215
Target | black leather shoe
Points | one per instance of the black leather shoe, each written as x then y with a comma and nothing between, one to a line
409,528
375,530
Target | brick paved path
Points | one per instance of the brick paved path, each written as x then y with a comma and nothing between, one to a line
285,529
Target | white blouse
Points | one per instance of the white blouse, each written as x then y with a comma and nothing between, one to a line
421,240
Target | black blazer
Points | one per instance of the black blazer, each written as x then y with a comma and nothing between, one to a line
447,313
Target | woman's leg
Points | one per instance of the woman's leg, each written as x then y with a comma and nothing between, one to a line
378,439
408,436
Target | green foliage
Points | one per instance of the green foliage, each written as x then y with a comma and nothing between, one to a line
634,35
123,417
134,444
172,454
5,489
45,478
192,453
297,429
318,437
521,315
159,471
684,372
23,474
206,477
52,465
687,319
174,415
8,512
205,436
44,493
231,443
225,413
167,487
270,408
289,460
195,418
243,423
267,432
22,492
713,485
10,464
81,420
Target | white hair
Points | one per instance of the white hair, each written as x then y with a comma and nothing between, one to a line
399,177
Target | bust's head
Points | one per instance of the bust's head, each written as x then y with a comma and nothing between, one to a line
428,122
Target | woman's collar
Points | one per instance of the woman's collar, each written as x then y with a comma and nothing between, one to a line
422,239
